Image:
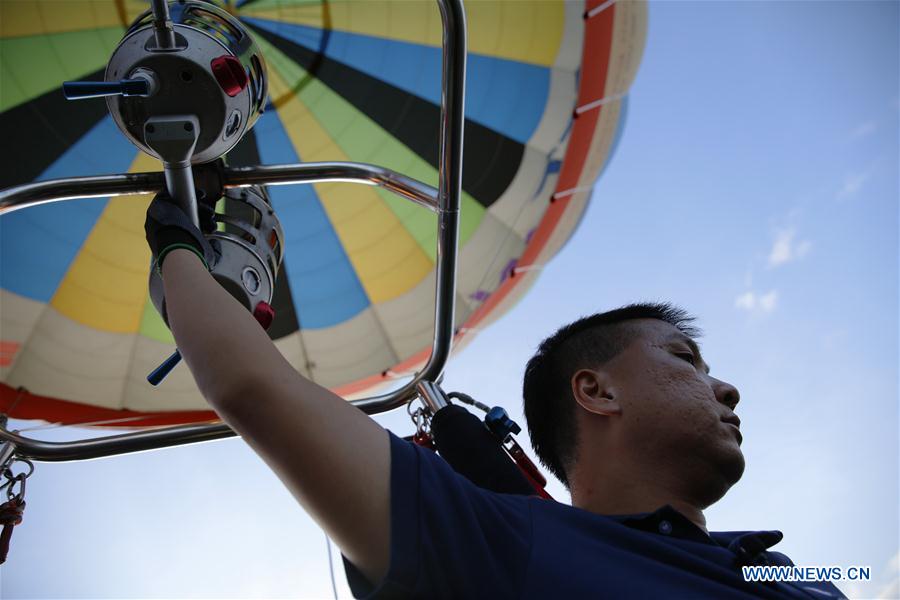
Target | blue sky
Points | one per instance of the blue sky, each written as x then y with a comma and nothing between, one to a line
756,184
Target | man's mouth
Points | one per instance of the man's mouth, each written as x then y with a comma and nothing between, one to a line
736,430
734,422
733,419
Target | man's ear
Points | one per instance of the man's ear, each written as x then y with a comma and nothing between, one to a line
595,392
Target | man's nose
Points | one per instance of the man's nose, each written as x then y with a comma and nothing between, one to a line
726,393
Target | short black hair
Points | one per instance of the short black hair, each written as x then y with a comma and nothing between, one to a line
586,343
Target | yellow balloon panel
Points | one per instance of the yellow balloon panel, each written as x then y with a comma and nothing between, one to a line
27,17
106,285
525,31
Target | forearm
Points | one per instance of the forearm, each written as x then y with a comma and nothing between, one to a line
233,361
328,453
218,338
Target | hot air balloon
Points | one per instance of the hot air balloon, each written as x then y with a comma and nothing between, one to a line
354,301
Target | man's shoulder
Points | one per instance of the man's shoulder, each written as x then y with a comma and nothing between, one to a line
441,487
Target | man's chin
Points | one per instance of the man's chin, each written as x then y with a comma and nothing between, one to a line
729,468
733,469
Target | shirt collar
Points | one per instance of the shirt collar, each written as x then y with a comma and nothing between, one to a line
669,522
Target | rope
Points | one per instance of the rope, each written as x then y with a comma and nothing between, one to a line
20,391
10,516
331,567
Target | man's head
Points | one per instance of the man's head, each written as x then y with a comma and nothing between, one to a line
629,386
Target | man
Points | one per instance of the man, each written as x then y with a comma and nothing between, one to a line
620,406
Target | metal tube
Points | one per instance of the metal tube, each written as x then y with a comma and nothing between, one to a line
162,24
70,188
115,444
54,190
432,395
407,187
180,185
6,450
453,92
448,201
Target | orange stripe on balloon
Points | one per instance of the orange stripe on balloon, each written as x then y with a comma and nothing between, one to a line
25,405
595,60
7,352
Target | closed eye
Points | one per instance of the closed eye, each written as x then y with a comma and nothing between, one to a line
686,348
687,356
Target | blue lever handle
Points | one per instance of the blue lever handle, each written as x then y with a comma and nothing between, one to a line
77,90
500,424
160,372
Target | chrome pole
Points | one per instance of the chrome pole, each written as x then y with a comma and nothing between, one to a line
432,395
7,450
406,187
162,24
56,190
453,93
71,188
112,445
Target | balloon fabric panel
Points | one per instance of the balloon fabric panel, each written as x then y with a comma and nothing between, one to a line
40,243
492,97
528,32
325,288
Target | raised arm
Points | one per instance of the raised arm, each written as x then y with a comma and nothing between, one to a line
332,457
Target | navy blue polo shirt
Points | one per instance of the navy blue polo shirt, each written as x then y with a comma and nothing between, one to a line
451,539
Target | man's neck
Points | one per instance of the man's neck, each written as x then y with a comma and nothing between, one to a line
631,497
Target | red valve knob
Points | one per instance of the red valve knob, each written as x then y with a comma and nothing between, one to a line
230,74
264,314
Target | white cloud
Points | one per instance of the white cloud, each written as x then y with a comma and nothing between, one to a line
786,249
853,183
767,301
863,129
891,590
746,301
757,303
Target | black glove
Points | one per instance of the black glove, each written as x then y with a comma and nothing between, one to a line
168,228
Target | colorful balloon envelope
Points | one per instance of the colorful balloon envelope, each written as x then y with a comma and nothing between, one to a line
348,81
